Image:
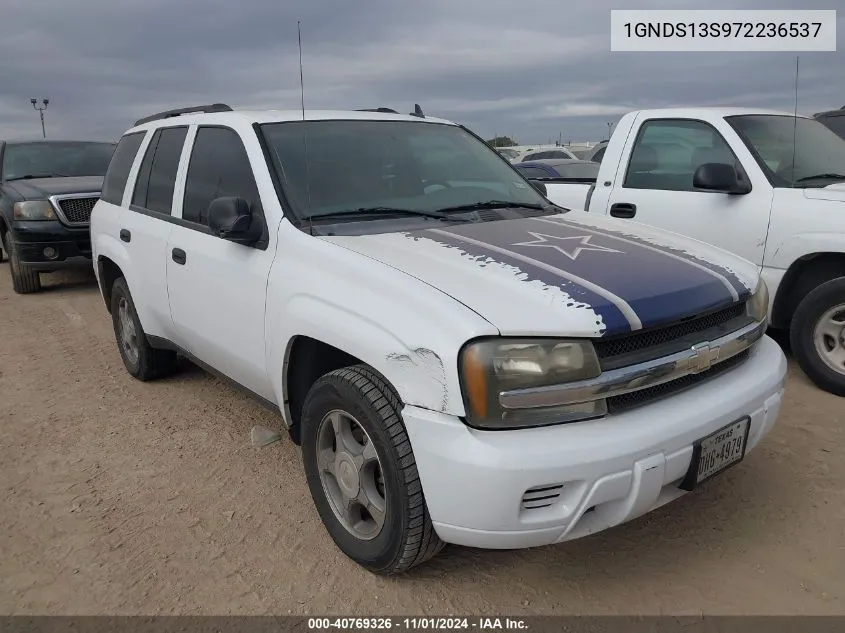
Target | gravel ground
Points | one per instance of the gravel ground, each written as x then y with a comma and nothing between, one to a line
120,497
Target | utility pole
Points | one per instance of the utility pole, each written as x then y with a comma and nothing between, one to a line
609,129
45,101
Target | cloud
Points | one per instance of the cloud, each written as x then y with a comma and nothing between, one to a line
532,70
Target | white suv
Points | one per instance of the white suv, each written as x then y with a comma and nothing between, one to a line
460,360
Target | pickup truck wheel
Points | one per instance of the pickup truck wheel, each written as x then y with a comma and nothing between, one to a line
141,360
817,335
362,474
24,280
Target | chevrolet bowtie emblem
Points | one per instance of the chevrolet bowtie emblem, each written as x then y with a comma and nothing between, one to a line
702,358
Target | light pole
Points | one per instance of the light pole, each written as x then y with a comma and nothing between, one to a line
45,101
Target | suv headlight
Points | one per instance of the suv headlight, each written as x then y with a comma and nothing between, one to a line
490,366
34,210
758,304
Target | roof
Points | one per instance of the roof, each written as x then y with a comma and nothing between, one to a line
830,113
281,116
41,141
711,112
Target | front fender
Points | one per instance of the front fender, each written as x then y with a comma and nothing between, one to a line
413,344
422,376
791,248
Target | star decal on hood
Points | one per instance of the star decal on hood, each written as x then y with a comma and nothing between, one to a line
571,246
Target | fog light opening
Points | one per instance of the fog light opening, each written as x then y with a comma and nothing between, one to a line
50,253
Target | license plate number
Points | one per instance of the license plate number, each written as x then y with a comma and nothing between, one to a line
716,452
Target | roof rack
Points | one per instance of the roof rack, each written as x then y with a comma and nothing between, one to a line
214,107
384,110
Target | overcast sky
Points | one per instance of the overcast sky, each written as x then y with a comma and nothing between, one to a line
532,70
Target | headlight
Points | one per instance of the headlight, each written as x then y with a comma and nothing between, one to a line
34,210
491,366
758,305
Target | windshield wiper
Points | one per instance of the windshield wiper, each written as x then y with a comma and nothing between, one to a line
377,211
491,204
821,177
33,176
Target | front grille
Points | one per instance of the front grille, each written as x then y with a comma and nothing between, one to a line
77,210
628,401
630,349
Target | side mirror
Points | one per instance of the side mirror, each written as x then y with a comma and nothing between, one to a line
231,218
539,186
719,177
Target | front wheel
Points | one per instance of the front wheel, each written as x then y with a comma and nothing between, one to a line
24,280
362,474
817,335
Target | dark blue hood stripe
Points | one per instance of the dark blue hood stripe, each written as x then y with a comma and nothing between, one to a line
738,289
617,316
650,286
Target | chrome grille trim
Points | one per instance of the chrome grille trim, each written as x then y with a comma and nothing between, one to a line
57,207
697,359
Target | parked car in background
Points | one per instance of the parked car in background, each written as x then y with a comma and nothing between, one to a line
47,192
764,185
833,119
559,170
508,152
460,360
596,152
557,152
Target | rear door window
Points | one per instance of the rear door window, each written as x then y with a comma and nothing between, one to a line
120,165
157,176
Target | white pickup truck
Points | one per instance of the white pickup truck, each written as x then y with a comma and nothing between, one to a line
460,360
764,185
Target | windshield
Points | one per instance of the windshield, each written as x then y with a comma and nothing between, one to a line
333,166
818,152
52,159
507,153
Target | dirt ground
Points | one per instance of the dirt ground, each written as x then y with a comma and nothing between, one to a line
120,497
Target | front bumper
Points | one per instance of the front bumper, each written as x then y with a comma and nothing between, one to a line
72,245
617,468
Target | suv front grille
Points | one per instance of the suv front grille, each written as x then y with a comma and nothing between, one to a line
628,401
640,347
77,210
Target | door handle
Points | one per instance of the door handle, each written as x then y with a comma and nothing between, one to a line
179,256
623,210
125,235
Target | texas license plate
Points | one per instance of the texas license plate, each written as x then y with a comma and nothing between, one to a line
716,452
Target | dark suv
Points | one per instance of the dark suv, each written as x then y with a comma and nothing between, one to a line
47,191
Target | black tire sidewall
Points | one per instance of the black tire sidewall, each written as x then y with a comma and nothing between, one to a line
809,310
18,272
334,392
120,290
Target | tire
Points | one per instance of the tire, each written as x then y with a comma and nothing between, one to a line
406,536
141,360
822,358
25,281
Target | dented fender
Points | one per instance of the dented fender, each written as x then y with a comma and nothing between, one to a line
402,327
420,361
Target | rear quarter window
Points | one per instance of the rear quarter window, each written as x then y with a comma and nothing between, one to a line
121,162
